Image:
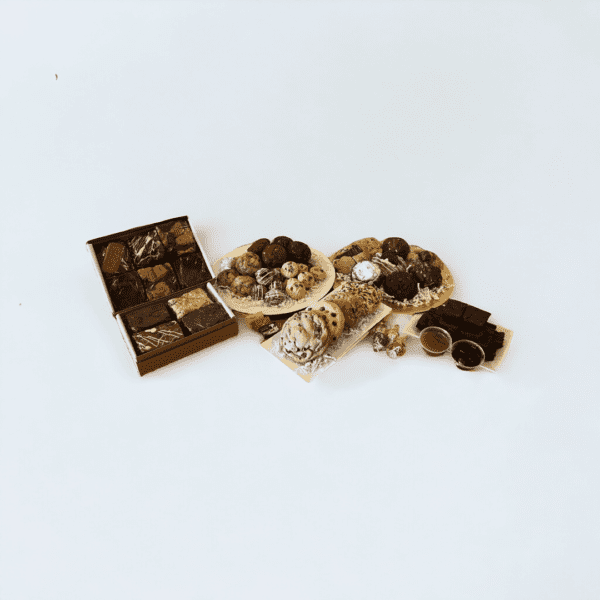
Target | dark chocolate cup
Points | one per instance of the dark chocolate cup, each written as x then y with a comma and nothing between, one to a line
478,350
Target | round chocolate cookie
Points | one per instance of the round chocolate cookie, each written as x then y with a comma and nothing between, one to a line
427,275
274,255
401,286
299,252
397,246
258,246
283,240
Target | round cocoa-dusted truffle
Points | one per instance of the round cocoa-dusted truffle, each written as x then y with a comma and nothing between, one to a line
401,286
306,279
283,240
427,275
248,263
258,246
295,289
226,277
265,276
397,246
299,252
274,297
289,269
274,255
242,285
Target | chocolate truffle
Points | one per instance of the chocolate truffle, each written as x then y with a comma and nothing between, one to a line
191,270
283,240
126,290
247,264
258,246
158,336
226,277
159,281
274,255
396,245
146,249
401,286
299,252
205,317
427,275
147,316
265,276
176,236
114,258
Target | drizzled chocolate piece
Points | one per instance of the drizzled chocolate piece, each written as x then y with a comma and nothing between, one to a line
158,336
191,270
126,290
146,249
205,317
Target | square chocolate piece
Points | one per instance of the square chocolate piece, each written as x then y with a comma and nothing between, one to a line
191,270
126,290
147,316
158,336
452,309
475,316
114,258
188,302
176,236
205,317
146,249
159,281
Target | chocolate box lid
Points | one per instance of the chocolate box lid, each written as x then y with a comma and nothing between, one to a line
161,259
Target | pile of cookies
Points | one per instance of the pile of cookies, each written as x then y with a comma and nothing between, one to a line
308,334
271,271
392,265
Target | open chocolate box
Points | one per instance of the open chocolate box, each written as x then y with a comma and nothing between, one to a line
159,285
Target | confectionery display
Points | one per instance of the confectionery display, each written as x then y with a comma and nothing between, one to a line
159,281
158,336
411,279
126,290
287,284
204,317
465,322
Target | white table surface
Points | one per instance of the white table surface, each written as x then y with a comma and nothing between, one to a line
468,128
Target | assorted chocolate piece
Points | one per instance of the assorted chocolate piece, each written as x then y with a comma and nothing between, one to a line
158,336
204,317
147,316
465,322
191,270
146,249
126,290
176,236
114,258
188,302
159,281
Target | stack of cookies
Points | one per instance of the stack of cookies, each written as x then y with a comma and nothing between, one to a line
307,335
271,271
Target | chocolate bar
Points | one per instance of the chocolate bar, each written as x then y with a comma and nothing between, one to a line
451,309
126,290
191,270
475,316
158,336
147,316
159,281
205,317
114,258
176,236
146,249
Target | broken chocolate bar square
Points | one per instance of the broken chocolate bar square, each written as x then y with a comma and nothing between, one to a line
159,281
191,270
158,336
146,249
205,317
147,316
177,237
126,290
475,316
114,258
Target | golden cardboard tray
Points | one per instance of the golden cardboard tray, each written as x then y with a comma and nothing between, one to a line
447,283
490,365
247,306
336,351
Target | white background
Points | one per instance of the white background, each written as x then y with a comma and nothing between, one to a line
468,128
